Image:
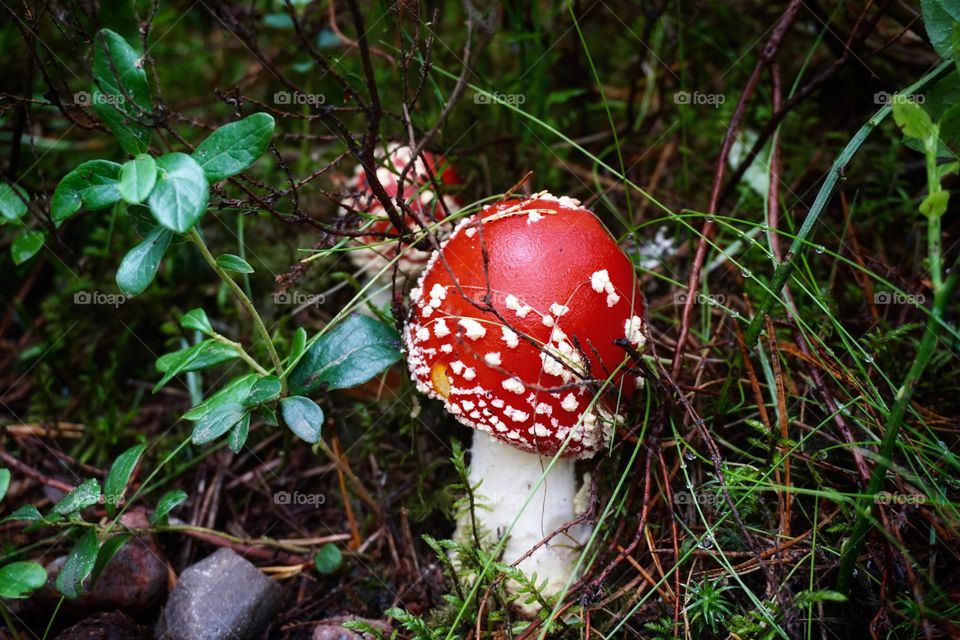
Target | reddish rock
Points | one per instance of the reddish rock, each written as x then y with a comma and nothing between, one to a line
106,626
135,580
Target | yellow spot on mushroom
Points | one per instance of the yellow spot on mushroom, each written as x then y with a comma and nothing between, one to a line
439,379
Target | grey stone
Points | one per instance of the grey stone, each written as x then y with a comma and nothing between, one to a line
222,597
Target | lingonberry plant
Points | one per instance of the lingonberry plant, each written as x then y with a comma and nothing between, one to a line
165,198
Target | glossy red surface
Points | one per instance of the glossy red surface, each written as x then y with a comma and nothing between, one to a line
558,281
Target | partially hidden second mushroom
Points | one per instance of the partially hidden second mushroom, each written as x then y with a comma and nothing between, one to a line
522,324
377,248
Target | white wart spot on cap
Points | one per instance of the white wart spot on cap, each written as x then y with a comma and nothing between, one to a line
437,294
493,358
516,414
514,305
440,328
633,330
514,385
600,282
474,329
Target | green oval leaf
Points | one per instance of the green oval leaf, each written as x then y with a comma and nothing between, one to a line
180,195
328,559
268,415
230,262
303,417
167,503
297,345
935,204
26,245
238,434
939,17
349,354
19,579
108,549
197,320
26,513
83,496
200,356
950,130
139,267
137,178
92,185
234,391
121,93
119,476
264,390
4,482
911,118
235,146
217,422
13,202
78,565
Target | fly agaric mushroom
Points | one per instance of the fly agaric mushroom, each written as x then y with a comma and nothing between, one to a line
377,251
518,324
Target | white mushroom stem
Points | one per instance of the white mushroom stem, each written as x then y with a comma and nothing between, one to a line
508,477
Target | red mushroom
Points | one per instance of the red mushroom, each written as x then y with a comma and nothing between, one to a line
377,251
518,325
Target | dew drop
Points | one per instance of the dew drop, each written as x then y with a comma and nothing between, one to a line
819,249
689,454
746,273
868,359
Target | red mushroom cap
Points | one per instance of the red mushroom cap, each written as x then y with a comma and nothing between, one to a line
527,373
417,191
